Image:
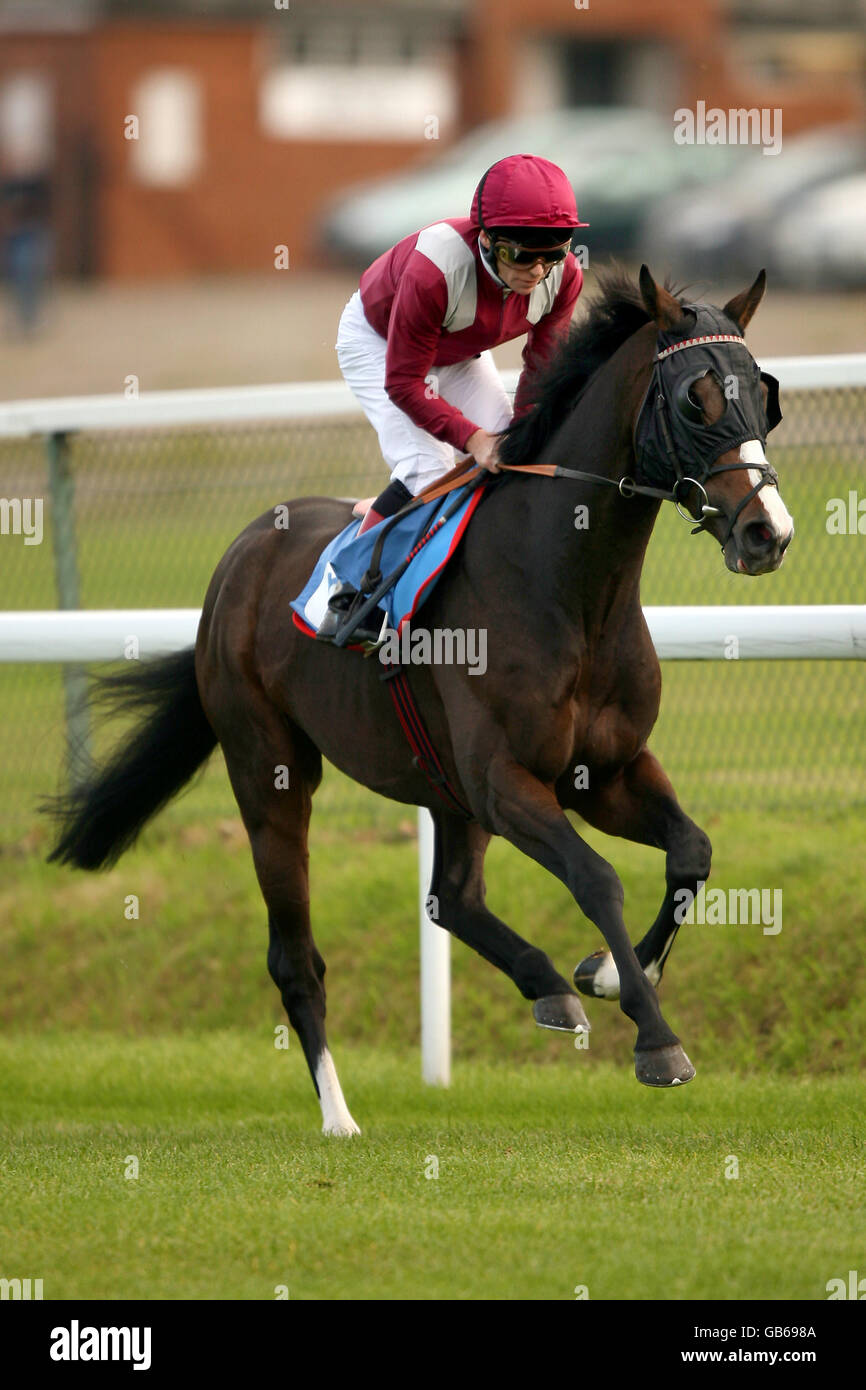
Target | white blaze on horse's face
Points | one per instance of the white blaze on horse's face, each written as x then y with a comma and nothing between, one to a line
778,515
761,549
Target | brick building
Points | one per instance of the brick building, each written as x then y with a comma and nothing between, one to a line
197,136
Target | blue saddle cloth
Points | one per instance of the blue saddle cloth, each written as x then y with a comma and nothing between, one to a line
347,558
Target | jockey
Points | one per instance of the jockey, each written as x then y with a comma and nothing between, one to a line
414,340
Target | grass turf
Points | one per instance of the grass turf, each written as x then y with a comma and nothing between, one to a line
549,1180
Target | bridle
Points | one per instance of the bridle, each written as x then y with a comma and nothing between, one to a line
654,418
662,408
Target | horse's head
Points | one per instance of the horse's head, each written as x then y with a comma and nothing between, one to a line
704,421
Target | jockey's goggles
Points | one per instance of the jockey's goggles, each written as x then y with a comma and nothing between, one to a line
513,253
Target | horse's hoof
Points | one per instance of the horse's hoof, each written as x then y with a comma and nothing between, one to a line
562,1012
663,1066
341,1129
597,976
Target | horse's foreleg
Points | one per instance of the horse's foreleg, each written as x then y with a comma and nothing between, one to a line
274,770
456,902
640,804
527,813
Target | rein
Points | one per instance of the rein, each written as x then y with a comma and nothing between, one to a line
470,472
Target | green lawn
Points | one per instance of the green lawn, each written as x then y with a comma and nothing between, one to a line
548,1179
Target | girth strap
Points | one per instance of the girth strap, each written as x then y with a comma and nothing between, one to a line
413,726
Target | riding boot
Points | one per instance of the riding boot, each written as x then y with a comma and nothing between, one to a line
388,503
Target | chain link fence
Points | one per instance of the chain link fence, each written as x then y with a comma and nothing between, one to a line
154,509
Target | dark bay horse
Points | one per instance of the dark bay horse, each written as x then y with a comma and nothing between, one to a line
572,678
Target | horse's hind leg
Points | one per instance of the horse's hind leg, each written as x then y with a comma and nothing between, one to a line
457,903
640,804
274,770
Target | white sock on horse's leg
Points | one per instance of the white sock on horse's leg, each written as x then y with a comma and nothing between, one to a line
335,1113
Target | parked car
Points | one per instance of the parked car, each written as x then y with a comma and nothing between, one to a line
825,247
618,159
735,225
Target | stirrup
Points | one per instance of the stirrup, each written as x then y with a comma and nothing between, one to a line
340,604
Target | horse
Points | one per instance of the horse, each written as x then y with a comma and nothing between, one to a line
572,678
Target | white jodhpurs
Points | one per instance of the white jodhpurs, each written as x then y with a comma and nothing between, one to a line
413,456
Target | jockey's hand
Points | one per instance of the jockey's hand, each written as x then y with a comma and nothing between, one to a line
482,446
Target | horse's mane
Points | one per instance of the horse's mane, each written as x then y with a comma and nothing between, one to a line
615,312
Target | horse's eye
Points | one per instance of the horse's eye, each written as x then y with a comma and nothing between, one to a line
689,402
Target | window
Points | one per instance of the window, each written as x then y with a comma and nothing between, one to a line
26,122
354,103
340,77
168,151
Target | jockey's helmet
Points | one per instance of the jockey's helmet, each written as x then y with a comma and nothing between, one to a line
522,192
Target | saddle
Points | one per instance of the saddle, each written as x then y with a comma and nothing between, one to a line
396,565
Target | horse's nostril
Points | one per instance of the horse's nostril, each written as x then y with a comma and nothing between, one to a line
760,536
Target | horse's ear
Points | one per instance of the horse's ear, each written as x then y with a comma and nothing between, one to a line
659,303
742,306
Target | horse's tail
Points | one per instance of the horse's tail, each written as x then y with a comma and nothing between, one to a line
103,816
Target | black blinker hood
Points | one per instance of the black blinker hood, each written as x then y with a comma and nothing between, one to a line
697,446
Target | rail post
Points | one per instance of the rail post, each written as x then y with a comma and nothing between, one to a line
62,488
